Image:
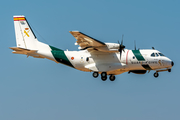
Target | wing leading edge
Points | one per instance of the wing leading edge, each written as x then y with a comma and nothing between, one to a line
85,41
91,44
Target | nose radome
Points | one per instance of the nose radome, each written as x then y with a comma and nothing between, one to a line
172,63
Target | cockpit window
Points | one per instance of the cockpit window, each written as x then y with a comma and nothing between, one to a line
157,55
161,54
152,55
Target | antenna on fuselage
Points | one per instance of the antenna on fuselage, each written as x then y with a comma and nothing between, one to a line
153,48
134,44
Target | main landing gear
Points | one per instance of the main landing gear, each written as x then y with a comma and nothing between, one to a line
95,74
104,76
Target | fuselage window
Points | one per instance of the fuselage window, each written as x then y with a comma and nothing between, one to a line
152,55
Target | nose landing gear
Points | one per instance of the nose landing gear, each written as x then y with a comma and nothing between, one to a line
156,74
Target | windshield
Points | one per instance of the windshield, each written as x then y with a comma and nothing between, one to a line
156,54
152,55
161,54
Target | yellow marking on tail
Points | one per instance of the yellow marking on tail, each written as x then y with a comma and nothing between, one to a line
26,33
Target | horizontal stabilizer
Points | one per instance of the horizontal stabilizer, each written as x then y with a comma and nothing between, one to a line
27,52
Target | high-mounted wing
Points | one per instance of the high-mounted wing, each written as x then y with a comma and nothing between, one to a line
85,41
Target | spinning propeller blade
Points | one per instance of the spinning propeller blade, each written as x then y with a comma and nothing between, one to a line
121,46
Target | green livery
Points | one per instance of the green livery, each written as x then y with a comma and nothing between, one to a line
60,56
138,55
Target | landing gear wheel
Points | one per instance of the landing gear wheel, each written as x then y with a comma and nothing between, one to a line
112,77
103,74
95,74
104,78
156,74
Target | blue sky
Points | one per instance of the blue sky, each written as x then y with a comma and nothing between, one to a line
39,89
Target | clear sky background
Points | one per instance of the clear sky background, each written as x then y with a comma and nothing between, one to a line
40,89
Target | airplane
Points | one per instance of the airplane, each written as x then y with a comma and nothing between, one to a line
100,58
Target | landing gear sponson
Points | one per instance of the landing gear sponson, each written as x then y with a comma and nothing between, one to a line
104,76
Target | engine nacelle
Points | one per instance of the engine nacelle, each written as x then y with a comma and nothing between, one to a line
112,45
138,71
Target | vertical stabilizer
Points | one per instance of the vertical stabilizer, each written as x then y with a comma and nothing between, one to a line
25,38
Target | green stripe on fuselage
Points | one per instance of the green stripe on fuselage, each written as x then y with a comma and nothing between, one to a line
138,55
60,56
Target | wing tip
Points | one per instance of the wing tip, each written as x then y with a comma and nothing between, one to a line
18,16
74,31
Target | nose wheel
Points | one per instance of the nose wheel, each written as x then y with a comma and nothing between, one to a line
156,74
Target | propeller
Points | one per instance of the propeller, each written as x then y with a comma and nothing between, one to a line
121,46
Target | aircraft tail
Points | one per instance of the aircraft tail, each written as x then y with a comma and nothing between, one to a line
25,37
28,44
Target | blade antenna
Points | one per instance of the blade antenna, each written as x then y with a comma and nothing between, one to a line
135,44
122,39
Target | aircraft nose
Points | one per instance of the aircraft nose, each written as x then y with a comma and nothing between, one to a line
172,63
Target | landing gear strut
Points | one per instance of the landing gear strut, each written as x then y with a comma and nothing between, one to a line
156,74
95,74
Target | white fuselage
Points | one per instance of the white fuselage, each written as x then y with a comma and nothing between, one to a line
111,63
